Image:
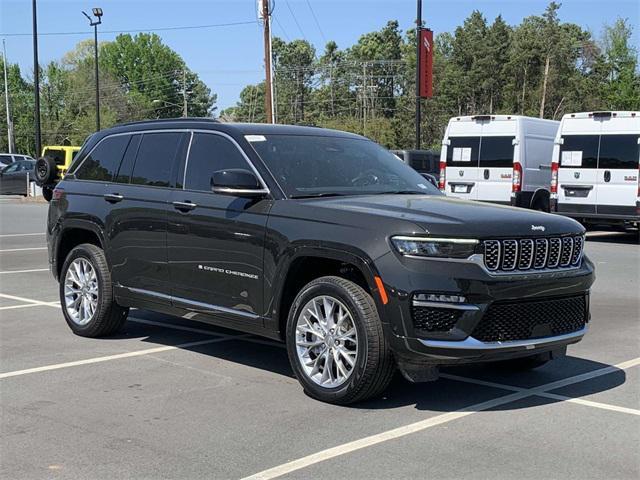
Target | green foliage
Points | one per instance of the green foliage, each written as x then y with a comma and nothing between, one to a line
140,78
541,67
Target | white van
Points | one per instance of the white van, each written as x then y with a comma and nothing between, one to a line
498,158
595,168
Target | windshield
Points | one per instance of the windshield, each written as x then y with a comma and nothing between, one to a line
308,166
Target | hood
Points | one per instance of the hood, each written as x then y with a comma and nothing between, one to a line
447,216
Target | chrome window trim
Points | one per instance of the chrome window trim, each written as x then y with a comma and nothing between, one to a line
175,130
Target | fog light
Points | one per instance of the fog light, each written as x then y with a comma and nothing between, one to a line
435,297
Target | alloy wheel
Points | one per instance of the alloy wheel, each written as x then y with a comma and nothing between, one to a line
81,291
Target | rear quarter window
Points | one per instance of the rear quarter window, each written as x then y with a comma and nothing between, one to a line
619,152
103,161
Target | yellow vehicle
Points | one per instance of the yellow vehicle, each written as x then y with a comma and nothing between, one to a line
63,156
52,165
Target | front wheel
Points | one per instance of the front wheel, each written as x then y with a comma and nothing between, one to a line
86,294
336,343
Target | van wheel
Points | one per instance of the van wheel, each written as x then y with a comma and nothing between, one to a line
86,294
541,205
336,343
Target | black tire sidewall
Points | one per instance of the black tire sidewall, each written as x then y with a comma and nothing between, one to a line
88,329
319,288
47,193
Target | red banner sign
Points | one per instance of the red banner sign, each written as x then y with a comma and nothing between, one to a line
426,63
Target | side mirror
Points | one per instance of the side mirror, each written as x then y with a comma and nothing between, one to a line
430,178
237,182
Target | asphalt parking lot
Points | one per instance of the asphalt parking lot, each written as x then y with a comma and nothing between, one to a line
168,398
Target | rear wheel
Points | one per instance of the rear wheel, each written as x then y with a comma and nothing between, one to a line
86,294
336,344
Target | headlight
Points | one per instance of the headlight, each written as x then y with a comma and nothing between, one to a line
435,247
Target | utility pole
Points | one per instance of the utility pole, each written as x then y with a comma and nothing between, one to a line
268,91
418,67
10,137
97,12
36,80
185,111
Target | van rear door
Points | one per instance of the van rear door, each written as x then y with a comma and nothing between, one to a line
495,168
577,173
617,174
462,167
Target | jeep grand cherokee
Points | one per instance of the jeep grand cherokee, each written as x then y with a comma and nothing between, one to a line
319,238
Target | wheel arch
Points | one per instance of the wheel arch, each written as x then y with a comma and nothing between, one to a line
304,264
76,233
541,194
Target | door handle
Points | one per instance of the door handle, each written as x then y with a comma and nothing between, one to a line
486,174
607,176
184,206
113,197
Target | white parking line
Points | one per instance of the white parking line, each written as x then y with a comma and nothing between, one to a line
8,272
7,250
6,235
107,358
28,300
554,396
376,439
27,305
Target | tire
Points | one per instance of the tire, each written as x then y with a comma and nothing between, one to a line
525,364
107,317
47,193
46,171
373,367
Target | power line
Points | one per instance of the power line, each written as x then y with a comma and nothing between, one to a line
317,22
159,29
295,19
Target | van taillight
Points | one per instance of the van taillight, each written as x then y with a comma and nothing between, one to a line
554,177
516,185
443,175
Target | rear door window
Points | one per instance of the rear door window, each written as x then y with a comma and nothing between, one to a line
103,161
619,152
126,167
56,154
463,151
496,152
156,159
579,151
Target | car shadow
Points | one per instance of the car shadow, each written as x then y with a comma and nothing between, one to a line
623,238
453,391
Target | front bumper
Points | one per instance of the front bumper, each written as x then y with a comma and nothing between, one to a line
407,278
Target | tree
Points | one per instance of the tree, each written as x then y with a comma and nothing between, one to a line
621,88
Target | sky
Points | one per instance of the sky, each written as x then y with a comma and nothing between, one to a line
227,58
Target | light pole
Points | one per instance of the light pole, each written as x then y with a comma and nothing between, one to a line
10,137
36,79
97,12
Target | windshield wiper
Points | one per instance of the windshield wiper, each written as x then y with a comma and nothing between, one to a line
403,192
318,195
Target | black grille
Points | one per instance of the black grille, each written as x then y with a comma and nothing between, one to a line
537,254
433,319
532,319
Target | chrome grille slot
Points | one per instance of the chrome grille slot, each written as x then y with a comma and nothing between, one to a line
555,245
492,254
567,251
533,253
542,250
510,254
578,245
526,254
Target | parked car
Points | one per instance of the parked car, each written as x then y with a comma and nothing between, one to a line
52,166
315,237
13,177
422,161
596,169
8,158
498,158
